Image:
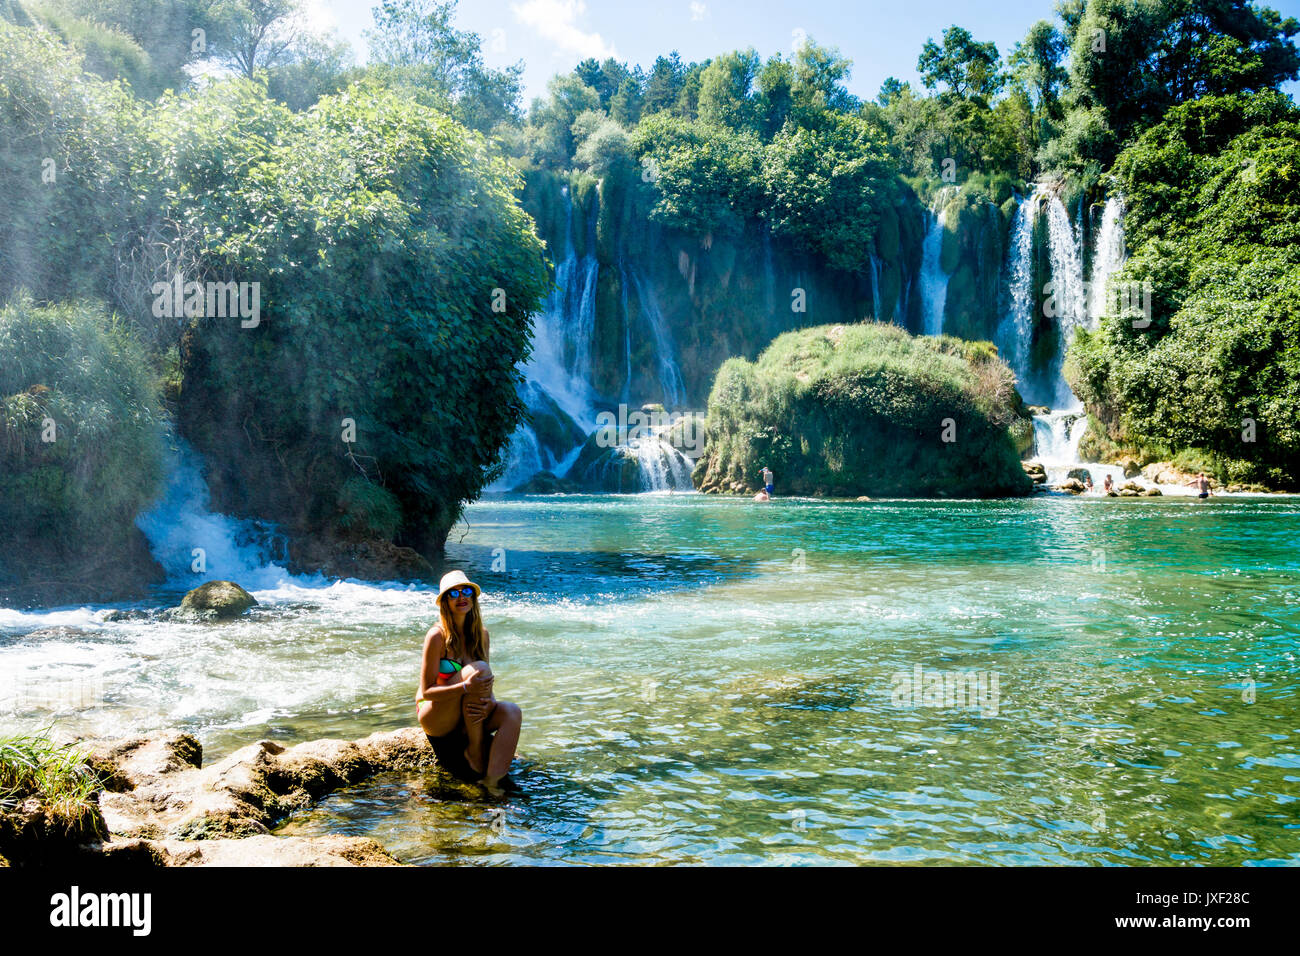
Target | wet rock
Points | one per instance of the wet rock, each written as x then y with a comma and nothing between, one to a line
1164,473
1081,475
1132,486
545,483
1131,468
369,559
216,600
1129,493
1153,493
170,796
268,850
1072,485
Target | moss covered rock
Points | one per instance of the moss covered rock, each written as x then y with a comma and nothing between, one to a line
867,409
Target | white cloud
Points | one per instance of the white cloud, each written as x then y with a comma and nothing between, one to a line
698,10
556,20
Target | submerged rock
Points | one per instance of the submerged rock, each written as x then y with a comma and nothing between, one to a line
216,600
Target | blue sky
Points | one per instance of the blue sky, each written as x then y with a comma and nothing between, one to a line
882,37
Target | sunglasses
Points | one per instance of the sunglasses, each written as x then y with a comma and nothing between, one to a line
457,592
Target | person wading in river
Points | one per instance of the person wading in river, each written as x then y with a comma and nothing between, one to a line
1201,484
473,734
768,478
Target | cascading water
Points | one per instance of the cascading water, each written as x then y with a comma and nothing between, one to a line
1056,446
670,375
1108,257
662,467
194,544
934,281
1067,293
1016,329
874,264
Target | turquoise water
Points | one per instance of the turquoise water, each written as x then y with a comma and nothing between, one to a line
714,681
706,680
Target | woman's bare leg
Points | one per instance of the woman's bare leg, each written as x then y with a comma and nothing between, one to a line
506,719
476,751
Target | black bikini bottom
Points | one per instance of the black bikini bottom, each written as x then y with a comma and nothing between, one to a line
450,751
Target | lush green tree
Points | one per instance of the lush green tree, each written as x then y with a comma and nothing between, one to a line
416,46
775,100
1213,194
826,188
550,121
397,275
1036,63
253,34
664,84
706,178
81,441
964,66
317,67
1131,60
726,89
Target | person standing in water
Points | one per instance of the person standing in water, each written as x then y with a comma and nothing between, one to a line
1201,484
768,478
473,734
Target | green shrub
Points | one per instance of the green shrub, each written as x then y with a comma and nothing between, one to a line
73,374
863,409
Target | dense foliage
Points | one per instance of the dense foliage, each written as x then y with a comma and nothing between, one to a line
397,273
867,410
381,277
1214,194
81,437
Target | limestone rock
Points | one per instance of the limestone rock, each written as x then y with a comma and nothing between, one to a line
216,600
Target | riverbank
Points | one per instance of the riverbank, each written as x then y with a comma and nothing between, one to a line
159,806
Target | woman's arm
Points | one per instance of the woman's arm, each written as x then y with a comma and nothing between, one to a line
429,689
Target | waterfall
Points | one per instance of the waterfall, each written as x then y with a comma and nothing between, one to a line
1067,292
566,321
670,375
1017,326
874,264
1108,256
662,467
565,325
1056,445
934,281
194,544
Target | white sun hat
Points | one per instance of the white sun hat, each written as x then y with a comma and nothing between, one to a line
453,579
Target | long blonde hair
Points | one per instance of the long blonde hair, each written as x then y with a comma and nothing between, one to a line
469,642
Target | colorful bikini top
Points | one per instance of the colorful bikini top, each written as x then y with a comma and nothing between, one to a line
446,668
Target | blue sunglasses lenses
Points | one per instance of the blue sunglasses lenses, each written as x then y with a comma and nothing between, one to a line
457,592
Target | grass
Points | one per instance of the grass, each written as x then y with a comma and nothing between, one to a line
58,775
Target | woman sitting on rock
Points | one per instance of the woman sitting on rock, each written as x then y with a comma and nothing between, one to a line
473,734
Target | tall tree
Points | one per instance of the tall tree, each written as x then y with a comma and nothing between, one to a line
965,66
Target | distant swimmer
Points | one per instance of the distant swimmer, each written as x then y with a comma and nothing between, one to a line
762,496
1201,484
1108,486
1087,482
768,478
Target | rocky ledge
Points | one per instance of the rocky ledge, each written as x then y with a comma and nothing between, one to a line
161,807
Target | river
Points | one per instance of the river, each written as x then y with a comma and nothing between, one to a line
707,680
